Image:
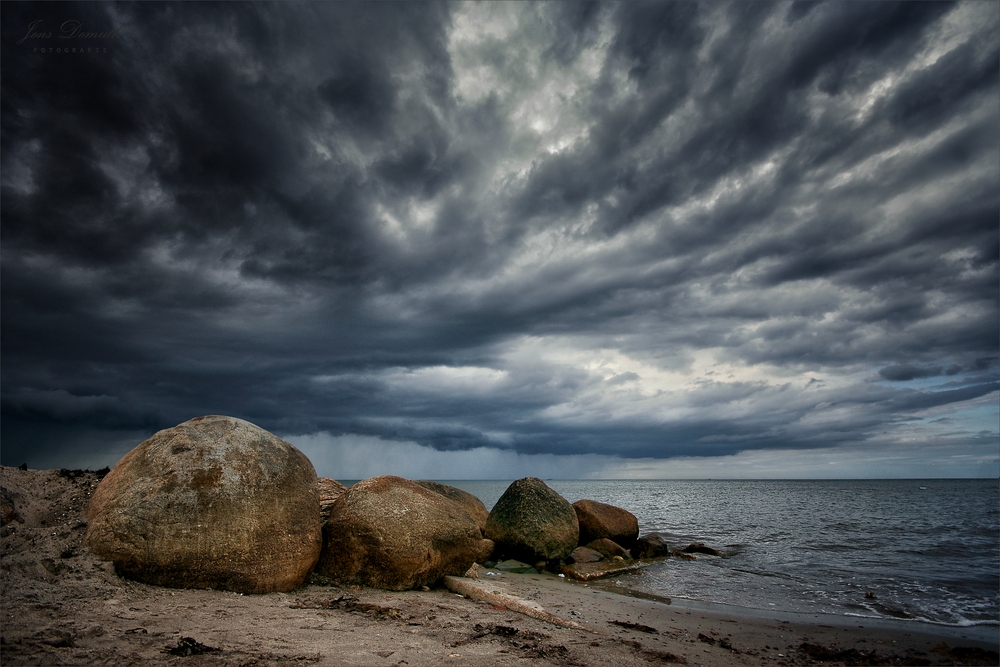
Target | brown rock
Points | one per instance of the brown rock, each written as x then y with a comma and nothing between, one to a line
700,548
473,505
329,490
215,502
653,545
584,555
608,548
599,520
388,532
532,522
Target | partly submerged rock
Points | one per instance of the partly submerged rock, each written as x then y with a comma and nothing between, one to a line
532,522
700,548
608,548
600,520
388,532
653,545
471,503
215,502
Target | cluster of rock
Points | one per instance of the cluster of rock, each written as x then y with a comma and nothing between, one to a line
535,529
217,502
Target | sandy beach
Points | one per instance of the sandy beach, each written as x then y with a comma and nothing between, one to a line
64,606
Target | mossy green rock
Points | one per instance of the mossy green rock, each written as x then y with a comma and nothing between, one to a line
531,522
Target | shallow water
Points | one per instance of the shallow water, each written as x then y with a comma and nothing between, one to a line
927,554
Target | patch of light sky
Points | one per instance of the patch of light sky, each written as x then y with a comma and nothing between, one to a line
895,157
979,415
469,380
615,386
965,23
412,222
541,95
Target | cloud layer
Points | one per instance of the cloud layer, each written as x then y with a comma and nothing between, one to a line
636,231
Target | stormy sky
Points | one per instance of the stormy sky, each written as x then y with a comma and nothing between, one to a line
487,240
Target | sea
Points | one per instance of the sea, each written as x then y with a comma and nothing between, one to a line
921,550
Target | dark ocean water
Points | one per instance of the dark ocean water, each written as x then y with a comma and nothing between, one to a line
929,550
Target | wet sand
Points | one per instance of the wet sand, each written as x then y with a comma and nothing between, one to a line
61,605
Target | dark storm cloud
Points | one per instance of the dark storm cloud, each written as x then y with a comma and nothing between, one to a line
904,372
637,229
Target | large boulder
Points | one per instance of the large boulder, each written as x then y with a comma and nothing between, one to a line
388,532
532,522
215,502
599,520
473,505
329,490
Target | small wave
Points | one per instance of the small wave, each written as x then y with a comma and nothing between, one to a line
964,623
762,573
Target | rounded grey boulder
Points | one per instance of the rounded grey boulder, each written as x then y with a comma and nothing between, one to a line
531,522
215,502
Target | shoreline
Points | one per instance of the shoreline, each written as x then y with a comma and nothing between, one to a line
61,605
901,631
984,631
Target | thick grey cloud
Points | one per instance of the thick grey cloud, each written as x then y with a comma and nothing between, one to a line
635,230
